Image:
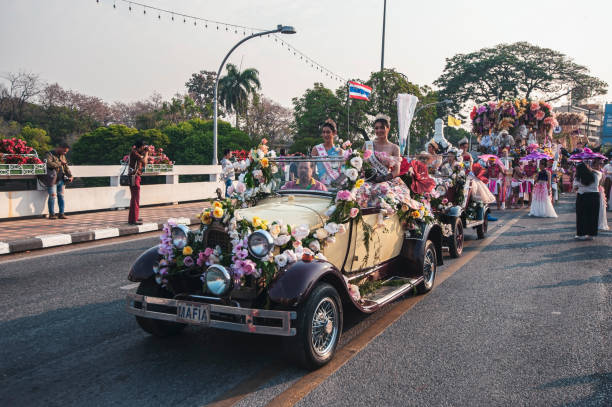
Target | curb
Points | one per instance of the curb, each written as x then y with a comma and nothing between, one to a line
63,239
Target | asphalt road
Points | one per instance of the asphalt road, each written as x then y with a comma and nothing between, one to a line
525,322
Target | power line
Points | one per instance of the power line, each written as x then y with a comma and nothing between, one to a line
236,28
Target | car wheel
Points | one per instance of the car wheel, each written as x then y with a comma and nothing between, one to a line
430,264
481,230
157,327
455,246
319,327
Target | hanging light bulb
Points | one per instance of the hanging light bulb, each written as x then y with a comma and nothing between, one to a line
130,7
194,23
114,5
206,25
172,17
144,11
159,16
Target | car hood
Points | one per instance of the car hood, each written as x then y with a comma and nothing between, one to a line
291,210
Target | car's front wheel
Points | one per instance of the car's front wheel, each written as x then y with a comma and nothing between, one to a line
430,264
156,327
456,240
481,230
319,327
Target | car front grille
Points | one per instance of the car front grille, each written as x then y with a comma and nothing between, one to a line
216,237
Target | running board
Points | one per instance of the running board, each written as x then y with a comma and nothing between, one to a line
391,289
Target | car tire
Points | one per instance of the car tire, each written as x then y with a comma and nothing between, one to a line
455,246
313,349
157,327
481,230
430,266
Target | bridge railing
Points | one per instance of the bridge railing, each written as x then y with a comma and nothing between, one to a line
15,204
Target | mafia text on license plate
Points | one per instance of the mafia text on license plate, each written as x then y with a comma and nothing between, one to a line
197,313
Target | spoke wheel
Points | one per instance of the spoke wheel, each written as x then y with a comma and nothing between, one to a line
456,244
429,268
324,327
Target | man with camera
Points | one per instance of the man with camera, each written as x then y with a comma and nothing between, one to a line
138,160
58,173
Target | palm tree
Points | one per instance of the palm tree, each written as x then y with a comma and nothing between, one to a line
236,87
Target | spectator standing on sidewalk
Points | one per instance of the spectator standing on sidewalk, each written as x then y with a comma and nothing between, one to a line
58,173
586,184
227,168
138,160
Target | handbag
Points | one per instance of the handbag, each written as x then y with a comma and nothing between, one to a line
126,179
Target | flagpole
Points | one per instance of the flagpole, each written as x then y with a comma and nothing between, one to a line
348,110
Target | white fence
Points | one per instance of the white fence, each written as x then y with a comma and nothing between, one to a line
14,204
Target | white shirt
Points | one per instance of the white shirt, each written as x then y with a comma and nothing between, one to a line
607,169
594,187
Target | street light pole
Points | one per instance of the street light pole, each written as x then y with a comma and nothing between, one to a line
382,57
283,29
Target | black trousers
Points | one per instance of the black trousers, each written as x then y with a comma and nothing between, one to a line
587,213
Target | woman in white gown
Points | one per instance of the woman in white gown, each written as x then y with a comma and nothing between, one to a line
541,204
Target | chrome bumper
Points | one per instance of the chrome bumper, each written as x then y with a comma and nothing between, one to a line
248,320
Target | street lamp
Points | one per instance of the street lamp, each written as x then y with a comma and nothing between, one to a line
442,102
283,29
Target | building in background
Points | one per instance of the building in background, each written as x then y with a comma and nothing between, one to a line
592,127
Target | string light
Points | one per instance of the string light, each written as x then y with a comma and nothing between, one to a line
290,48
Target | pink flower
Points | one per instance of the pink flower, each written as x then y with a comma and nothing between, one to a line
539,115
445,201
344,195
367,154
354,212
208,251
248,266
534,106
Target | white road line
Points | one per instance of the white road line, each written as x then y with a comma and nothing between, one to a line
4,248
59,239
129,286
106,233
147,227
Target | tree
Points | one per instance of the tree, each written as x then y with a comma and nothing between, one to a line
521,70
270,120
454,134
36,138
21,90
236,87
201,88
180,109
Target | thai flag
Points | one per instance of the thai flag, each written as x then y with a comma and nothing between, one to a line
359,91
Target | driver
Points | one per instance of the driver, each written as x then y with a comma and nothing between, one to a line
304,179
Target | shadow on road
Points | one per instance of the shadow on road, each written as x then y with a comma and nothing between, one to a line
605,279
602,388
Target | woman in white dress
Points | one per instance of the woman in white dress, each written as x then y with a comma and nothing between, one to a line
541,203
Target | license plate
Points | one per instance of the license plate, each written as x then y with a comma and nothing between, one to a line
189,312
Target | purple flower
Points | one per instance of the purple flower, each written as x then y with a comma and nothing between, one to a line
188,261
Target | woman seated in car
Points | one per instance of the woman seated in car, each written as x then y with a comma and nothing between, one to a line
304,179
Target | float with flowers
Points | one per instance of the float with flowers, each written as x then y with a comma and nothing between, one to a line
284,254
18,159
157,162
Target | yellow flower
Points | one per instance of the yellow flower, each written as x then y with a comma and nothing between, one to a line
426,213
187,251
217,204
264,162
405,208
359,183
205,218
416,214
264,224
257,221
218,213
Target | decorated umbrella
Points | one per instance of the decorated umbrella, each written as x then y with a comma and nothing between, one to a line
535,156
587,154
487,157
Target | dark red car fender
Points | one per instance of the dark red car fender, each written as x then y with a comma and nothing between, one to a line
143,266
413,250
292,286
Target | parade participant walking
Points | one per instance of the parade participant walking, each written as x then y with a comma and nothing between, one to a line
607,182
228,169
138,160
529,172
541,202
516,186
326,171
603,219
586,184
497,185
58,173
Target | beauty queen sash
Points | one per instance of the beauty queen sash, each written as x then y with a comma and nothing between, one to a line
379,167
330,173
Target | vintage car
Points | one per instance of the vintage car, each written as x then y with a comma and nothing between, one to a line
460,211
280,266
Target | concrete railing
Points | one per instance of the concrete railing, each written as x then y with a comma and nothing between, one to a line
14,204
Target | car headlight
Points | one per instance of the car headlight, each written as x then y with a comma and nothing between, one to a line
219,280
179,236
260,243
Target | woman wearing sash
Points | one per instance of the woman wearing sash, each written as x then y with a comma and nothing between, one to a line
386,154
326,171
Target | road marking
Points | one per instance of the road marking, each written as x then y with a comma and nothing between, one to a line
129,286
312,380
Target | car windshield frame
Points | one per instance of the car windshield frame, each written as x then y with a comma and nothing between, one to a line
330,192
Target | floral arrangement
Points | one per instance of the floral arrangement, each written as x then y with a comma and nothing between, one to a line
537,114
570,118
16,151
503,115
473,209
507,116
240,155
484,118
157,156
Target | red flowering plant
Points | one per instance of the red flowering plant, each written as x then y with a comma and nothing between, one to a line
17,158
157,156
240,155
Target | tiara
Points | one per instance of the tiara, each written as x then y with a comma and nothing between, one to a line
382,116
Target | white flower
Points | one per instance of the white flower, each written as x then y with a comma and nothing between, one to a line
260,154
273,169
351,173
241,177
321,233
234,235
272,154
341,229
356,162
283,229
300,232
280,260
330,210
299,251
330,240
274,230
291,256
240,186
332,228
320,256
462,173
354,291
315,246
282,240
266,188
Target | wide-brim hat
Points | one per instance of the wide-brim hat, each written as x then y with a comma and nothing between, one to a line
423,154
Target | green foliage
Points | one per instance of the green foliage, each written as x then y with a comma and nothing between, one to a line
36,138
454,134
236,87
104,145
310,112
519,70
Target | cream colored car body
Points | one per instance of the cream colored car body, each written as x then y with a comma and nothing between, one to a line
348,256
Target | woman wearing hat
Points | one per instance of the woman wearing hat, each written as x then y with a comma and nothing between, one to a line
436,159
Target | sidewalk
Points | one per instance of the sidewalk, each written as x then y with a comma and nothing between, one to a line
30,234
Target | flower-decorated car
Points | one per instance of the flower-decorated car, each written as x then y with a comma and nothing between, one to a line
286,254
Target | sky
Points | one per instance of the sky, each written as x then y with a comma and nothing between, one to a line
125,56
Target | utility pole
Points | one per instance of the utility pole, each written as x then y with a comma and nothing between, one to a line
382,56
